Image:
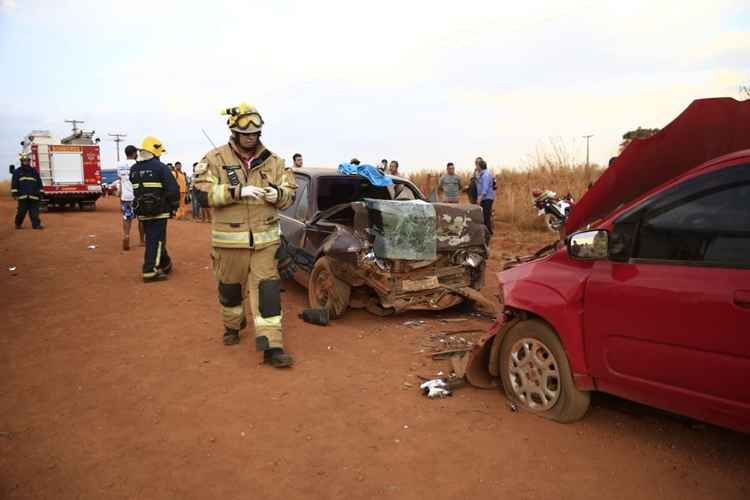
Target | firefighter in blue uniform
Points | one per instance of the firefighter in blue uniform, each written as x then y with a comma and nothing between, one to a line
26,187
156,197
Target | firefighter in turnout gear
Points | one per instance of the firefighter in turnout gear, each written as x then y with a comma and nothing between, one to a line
26,187
246,185
156,197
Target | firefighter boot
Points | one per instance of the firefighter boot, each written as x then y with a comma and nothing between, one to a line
157,276
277,358
166,269
231,336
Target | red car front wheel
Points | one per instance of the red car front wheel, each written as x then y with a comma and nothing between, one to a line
536,374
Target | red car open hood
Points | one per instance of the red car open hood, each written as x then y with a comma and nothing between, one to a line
708,128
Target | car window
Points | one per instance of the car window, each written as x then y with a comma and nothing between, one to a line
302,202
711,227
404,192
298,208
334,190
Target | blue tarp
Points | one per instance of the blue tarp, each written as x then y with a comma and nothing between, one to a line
369,172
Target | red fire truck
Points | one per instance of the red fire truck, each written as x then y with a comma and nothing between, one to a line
70,168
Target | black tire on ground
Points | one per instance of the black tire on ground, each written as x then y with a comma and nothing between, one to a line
538,377
326,291
551,221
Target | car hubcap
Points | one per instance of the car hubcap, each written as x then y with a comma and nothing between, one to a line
534,374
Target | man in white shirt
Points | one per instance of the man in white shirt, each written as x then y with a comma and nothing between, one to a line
127,196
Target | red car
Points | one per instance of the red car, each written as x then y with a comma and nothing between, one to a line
649,296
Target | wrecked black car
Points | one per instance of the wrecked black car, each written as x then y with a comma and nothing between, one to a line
385,249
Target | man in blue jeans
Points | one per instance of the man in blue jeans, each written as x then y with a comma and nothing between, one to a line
485,193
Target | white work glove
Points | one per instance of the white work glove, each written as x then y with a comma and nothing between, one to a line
252,192
271,195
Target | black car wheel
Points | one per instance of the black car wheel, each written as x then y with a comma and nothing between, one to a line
326,291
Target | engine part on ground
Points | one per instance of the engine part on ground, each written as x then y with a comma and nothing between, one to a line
315,316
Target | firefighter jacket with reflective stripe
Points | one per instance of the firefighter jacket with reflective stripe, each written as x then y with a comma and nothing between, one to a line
26,183
150,179
243,222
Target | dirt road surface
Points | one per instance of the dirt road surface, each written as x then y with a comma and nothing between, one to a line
111,388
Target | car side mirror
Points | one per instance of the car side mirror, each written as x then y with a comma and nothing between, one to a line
588,245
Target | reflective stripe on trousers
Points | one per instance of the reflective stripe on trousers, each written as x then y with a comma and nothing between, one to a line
242,239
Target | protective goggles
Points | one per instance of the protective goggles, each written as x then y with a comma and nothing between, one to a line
244,122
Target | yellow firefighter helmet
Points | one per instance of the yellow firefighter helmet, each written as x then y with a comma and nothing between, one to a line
153,145
243,119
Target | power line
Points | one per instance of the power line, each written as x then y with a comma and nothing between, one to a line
117,140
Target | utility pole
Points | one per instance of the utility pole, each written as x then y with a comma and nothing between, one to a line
587,137
118,139
74,123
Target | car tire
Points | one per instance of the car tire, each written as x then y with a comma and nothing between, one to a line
536,374
326,291
552,223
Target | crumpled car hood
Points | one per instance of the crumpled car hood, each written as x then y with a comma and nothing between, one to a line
707,129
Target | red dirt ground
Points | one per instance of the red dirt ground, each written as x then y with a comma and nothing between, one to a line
111,388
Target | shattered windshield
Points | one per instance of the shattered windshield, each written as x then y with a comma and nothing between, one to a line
402,229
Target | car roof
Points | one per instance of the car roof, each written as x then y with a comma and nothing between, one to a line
334,172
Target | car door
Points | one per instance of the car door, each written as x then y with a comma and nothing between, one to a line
293,224
670,324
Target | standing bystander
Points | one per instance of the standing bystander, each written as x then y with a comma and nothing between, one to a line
450,184
297,160
485,193
182,182
126,195
195,205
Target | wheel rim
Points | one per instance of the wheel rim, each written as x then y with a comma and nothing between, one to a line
534,374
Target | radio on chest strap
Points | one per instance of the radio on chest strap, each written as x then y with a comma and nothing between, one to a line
232,174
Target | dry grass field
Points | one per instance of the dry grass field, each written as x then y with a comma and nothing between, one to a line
5,188
514,202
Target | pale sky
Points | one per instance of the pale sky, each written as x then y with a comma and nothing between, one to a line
421,82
